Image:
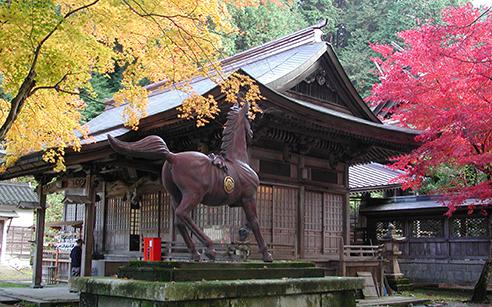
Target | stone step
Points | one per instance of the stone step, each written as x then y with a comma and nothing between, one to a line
217,264
190,271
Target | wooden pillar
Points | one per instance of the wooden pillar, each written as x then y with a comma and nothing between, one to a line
346,207
89,219
104,203
40,223
300,210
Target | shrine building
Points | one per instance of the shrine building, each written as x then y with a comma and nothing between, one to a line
314,126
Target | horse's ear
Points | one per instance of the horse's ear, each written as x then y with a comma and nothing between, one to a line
245,108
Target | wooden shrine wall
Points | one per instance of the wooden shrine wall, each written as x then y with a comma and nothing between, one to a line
301,216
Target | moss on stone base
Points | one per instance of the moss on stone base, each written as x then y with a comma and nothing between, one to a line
332,290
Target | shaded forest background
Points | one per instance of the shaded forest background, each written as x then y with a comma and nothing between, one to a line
352,25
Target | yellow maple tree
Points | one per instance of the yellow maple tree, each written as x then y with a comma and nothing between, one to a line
50,48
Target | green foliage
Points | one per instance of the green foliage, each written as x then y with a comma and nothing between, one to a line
365,21
261,24
54,213
54,210
317,10
379,21
103,88
450,176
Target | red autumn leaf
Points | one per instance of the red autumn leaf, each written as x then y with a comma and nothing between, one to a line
442,84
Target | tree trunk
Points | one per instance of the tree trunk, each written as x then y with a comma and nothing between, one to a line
17,103
480,290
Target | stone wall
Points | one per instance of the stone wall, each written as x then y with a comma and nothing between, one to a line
455,272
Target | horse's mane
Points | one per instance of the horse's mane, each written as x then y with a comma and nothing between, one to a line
231,130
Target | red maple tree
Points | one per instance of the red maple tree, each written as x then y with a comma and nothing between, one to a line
441,81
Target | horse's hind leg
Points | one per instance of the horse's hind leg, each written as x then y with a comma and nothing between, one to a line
183,214
249,206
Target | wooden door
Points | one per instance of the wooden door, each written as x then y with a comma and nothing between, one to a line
284,213
118,224
264,208
323,223
333,222
313,223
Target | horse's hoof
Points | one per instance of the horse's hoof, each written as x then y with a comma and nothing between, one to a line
196,257
211,254
267,257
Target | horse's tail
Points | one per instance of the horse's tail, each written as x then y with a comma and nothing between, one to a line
150,148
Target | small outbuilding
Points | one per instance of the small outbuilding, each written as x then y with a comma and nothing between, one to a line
17,204
438,249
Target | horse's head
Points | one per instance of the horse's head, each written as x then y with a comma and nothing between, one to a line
237,132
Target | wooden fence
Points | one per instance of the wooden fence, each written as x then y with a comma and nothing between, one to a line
56,266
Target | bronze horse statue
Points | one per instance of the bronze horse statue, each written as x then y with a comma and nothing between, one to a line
215,180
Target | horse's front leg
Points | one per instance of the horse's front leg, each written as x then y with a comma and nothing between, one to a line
249,206
183,214
195,256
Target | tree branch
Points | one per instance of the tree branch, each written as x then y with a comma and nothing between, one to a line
56,86
26,88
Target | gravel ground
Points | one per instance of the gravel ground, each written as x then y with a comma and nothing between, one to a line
445,297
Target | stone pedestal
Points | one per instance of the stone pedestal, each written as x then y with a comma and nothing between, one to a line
276,292
197,271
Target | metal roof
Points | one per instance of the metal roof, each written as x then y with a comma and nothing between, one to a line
16,194
372,177
276,66
271,69
410,203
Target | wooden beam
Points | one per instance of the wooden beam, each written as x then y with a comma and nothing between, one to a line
89,221
38,255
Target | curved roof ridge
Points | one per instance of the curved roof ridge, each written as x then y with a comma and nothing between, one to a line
304,36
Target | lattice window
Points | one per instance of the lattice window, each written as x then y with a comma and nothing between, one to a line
166,212
18,238
427,228
70,212
99,216
149,219
382,228
469,227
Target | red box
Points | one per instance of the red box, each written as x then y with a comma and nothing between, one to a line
152,249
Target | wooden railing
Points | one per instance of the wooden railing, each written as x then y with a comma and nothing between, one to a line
361,252
56,266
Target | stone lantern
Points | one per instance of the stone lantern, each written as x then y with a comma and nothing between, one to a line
391,250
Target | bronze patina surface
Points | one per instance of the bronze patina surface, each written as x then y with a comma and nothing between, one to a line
216,180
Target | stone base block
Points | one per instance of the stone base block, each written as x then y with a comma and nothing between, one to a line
303,292
399,282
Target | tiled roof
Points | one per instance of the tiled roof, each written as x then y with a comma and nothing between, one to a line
372,177
20,195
